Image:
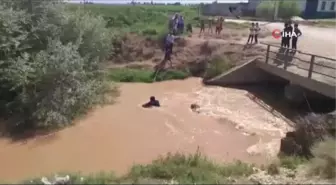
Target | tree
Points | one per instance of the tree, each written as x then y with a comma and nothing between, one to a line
49,63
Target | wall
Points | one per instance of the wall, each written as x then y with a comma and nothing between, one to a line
313,9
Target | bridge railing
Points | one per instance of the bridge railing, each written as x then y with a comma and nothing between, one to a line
315,65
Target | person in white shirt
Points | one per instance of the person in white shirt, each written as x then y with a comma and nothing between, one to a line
256,32
169,42
251,35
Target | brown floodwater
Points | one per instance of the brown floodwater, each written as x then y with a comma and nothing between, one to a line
117,136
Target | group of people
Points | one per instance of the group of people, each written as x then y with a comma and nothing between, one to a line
176,27
254,32
176,24
290,34
218,27
287,35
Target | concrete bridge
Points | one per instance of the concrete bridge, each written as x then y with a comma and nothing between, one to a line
302,70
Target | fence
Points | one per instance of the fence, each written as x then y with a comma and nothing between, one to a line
284,57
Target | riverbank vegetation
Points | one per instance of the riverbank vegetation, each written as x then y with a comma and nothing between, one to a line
140,19
198,169
145,75
52,52
49,64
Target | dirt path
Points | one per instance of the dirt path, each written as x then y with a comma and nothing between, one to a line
315,40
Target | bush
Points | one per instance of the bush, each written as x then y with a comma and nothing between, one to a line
291,162
324,161
49,63
144,75
140,19
286,9
170,169
189,169
217,66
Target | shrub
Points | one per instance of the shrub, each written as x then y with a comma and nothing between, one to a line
324,161
144,75
310,129
189,169
273,169
150,31
170,169
217,66
49,63
286,9
140,19
291,162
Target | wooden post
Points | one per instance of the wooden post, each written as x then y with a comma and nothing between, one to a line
311,67
267,53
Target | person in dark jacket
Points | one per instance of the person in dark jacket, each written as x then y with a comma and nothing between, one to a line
152,103
180,25
169,43
189,28
282,36
298,33
288,34
202,25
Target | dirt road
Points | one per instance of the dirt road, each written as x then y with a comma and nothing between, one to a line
320,41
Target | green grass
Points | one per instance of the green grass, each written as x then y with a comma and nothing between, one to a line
324,162
198,169
237,26
291,162
217,66
178,168
144,75
142,19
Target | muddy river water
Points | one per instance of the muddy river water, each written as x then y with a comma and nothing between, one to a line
230,125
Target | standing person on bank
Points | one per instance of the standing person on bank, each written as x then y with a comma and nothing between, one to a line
298,33
256,32
210,21
180,25
283,40
202,25
288,34
169,42
251,35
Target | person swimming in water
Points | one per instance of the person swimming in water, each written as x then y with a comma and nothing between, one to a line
152,103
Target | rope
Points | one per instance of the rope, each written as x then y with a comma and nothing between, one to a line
304,94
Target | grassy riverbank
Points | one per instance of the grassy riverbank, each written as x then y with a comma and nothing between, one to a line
145,75
141,19
198,169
